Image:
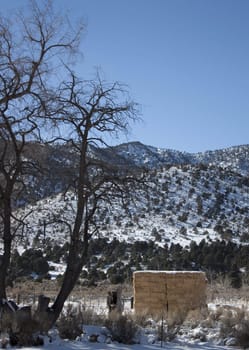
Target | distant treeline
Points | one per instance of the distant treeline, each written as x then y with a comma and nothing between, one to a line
117,260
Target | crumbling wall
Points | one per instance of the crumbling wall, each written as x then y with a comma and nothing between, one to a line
159,293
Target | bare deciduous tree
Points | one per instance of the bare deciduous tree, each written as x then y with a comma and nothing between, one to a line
85,114
92,112
31,50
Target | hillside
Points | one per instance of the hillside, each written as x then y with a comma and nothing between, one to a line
191,213
190,197
58,163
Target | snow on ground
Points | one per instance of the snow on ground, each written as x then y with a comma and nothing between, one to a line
192,336
189,338
102,346
57,269
83,343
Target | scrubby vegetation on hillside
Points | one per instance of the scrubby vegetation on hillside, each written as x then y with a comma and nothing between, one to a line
115,261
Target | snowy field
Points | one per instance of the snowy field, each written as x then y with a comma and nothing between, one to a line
101,346
195,335
189,338
84,344
191,335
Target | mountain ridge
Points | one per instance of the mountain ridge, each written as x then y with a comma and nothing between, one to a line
60,163
169,156
187,199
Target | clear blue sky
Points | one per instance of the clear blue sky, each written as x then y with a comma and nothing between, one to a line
185,61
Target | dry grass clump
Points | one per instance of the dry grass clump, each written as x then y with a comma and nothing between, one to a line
4,342
233,323
70,323
220,291
177,318
242,333
166,332
196,317
90,316
74,316
122,328
142,319
228,319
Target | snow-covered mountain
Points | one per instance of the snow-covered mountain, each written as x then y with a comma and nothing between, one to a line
233,158
59,162
190,196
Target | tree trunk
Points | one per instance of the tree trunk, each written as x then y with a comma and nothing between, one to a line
46,316
76,261
69,281
78,250
7,241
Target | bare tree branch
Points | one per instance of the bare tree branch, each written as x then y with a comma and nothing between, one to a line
32,49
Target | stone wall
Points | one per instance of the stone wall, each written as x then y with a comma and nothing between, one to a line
159,293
